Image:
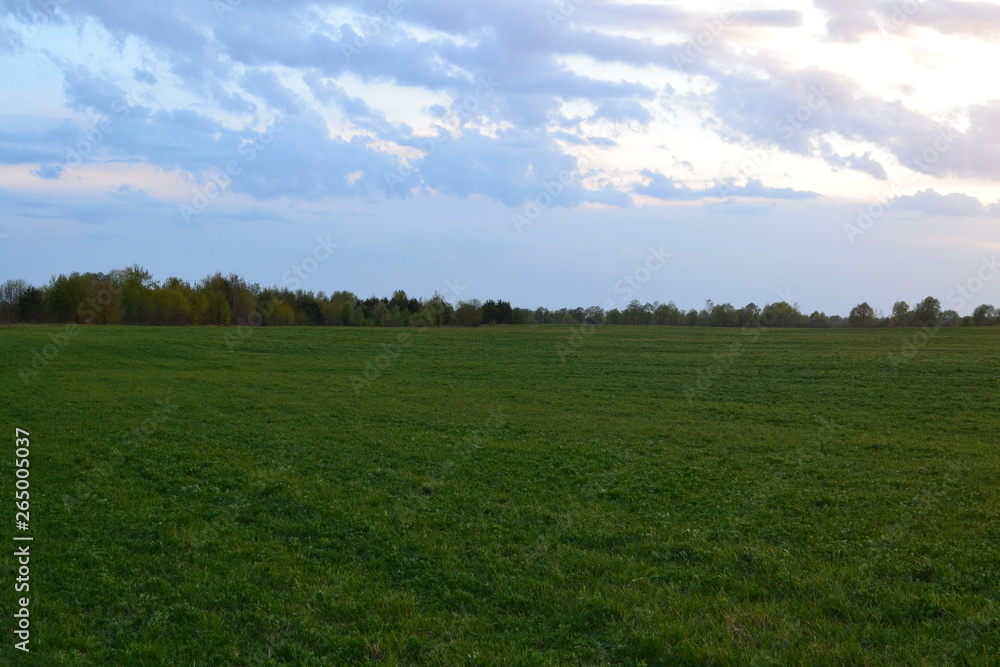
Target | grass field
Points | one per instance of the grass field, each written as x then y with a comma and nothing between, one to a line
660,497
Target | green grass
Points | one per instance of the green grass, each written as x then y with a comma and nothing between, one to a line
807,501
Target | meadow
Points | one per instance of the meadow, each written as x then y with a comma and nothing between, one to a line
654,495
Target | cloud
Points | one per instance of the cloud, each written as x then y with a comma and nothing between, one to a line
929,203
85,92
255,61
50,171
850,20
798,111
623,111
512,168
10,41
779,18
602,142
34,147
665,188
267,86
862,163
569,138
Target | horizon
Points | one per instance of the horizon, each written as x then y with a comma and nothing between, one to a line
822,153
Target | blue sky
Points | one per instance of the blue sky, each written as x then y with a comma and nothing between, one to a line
825,152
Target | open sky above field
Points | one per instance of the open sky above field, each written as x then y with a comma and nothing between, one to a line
825,152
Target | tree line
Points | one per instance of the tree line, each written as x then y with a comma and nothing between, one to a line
131,296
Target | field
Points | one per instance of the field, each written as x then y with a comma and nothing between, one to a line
654,495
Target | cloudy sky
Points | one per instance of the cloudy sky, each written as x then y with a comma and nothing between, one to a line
825,152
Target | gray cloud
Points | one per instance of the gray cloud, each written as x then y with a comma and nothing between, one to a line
51,172
930,203
665,188
232,58
863,163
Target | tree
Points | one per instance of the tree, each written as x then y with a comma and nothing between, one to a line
135,288
399,300
280,314
491,312
69,297
724,315
309,308
218,311
633,313
437,312
10,296
984,314
32,305
927,311
172,305
469,313
749,314
861,315
242,298
378,314
819,320
901,313
505,312
781,314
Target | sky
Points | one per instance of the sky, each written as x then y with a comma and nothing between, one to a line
553,154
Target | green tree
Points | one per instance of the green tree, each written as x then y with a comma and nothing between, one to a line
901,313
780,314
724,315
135,288
218,311
10,298
633,313
68,297
984,315
469,313
862,315
279,314
33,306
819,320
436,312
927,311
749,314
400,300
